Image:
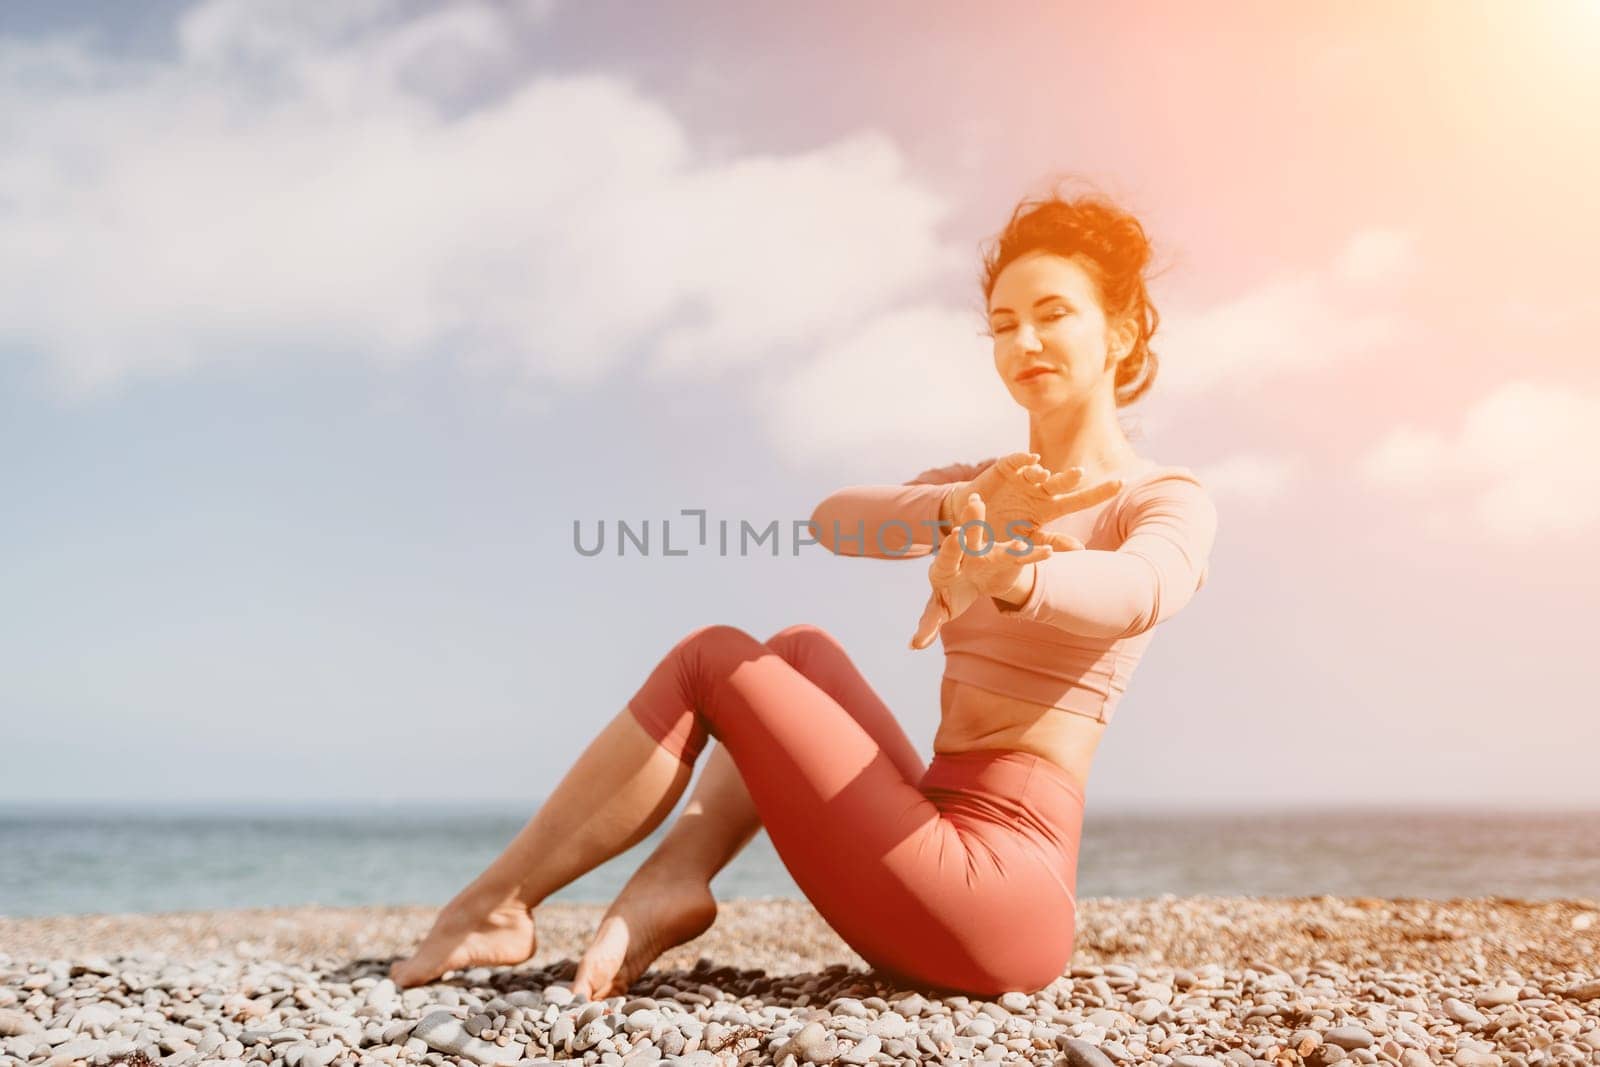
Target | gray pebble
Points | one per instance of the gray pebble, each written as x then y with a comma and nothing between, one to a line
397,1030
641,1019
443,1032
863,1051
642,1056
591,1035
383,995
1016,1001
1585,991
95,1017
1347,1037
1497,997
1463,1013
79,1048
321,1057
813,1042
1082,1054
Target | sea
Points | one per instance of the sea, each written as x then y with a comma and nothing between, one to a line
83,861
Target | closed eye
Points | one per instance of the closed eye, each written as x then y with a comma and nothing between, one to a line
1052,314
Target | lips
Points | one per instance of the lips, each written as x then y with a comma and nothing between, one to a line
1034,372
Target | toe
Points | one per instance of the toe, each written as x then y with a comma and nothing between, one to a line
587,981
408,972
596,970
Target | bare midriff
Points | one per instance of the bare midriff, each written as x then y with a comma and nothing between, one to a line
972,718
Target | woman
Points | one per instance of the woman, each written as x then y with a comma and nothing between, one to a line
960,875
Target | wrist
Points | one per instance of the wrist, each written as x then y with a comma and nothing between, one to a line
947,509
1021,589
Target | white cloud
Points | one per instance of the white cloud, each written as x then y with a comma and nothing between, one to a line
1376,257
323,179
1522,455
912,389
1405,458
915,383
1250,476
1291,324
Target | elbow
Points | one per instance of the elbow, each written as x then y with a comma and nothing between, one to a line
1160,602
1145,608
1143,622
822,526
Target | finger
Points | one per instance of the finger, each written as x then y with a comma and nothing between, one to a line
1063,481
972,534
947,561
1024,466
933,617
947,565
1034,474
1015,552
1059,541
1066,503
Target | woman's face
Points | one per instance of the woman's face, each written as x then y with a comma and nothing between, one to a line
1050,333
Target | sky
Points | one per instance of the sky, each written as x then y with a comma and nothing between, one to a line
321,326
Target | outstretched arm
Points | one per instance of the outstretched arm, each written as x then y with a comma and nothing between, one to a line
1170,525
890,521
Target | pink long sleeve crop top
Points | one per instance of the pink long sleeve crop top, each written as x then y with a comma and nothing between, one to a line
1074,643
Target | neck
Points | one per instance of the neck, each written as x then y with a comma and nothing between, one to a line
1086,436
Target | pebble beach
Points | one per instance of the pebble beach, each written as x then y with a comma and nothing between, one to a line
1189,981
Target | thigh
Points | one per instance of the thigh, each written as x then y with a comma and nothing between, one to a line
915,891
835,800
819,656
912,891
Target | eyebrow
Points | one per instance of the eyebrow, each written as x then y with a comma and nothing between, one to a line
1037,303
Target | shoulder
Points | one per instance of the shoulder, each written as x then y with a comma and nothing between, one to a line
955,472
1161,476
1165,490
1171,503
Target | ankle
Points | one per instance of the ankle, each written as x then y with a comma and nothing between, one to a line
702,847
675,864
486,895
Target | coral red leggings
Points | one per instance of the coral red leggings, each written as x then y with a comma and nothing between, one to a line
959,876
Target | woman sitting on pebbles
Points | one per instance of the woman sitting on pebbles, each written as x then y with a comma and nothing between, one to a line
959,875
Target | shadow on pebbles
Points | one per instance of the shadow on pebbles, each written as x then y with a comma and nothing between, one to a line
1190,981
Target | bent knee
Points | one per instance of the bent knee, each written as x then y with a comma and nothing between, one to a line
718,646
801,635
717,634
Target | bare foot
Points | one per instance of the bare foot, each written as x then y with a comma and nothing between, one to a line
469,932
655,911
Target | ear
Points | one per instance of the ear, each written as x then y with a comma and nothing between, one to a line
1122,336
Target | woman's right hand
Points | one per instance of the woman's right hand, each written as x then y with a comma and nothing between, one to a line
1016,489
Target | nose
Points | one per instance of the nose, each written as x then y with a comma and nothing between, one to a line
1027,338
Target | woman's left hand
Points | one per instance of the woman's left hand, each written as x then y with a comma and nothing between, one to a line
960,575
